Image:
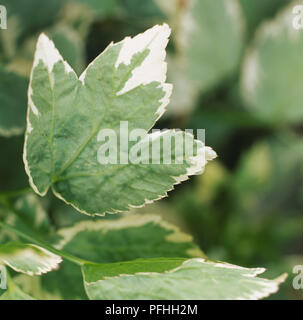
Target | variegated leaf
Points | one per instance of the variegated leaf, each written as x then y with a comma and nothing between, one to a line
66,113
126,238
176,279
28,258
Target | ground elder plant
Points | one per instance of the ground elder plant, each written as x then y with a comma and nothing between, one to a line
74,151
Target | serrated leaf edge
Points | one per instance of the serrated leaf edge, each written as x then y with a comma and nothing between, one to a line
274,287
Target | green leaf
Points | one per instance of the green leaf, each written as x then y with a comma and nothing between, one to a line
13,89
210,38
34,14
129,237
28,258
268,176
30,217
125,83
185,94
12,174
176,279
33,214
138,8
102,8
106,241
258,10
13,292
170,7
265,72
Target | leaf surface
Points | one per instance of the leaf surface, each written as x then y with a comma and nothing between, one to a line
271,88
108,241
12,103
28,258
210,38
14,292
29,217
176,279
65,115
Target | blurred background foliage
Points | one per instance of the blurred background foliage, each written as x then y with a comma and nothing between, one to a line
236,70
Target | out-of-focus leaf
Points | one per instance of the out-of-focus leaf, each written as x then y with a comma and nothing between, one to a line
20,65
28,258
271,87
139,8
254,174
13,97
64,283
77,16
207,206
185,94
258,10
169,7
268,175
33,14
29,217
101,7
64,216
211,39
9,38
209,184
12,174
13,292
69,41
176,279
108,245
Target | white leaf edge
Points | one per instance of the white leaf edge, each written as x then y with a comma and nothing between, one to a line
155,39
125,222
49,262
271,288
252,70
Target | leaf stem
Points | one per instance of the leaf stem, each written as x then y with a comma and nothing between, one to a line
44,245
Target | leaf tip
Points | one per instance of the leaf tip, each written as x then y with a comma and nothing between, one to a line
48,53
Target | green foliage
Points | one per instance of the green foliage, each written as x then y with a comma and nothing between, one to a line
101,7
13,103
236,70
127,238
28,258
59,156
175,279
258,10
12,174
45,14
30,217
200,62
209,61
265,72
14,292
